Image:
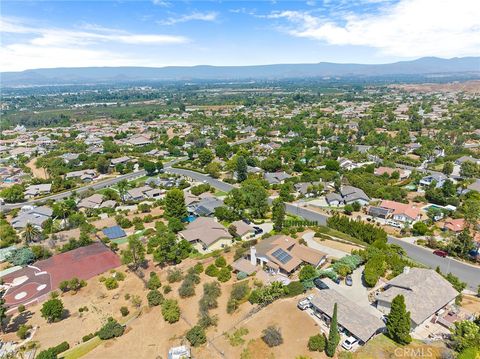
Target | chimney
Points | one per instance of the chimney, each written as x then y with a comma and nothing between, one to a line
253,256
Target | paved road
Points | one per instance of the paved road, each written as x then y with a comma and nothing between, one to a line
95,186
467,273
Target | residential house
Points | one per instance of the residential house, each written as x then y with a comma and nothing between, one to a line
454,225
425,291
379,212
334,199
139,140
205,207
206,235
37,190
402,212
91,202
357,320
380,171
463,159
308,189
438,178
281,254
244,230
69,157
83,175
475,186
33,215
352,194
276,177
119,160
144,192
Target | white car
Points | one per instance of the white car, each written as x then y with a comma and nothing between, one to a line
304,304
349,343
394,224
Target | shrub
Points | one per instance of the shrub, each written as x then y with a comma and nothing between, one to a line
60,348
196,336
87,337
224,275
236,338
241,275
220,262
167,289
316,343
52,310
272,336
112,329
307,272
240,291
63,286
124,311
111,283
174,275
154,281
295,288
211,270
23,331
187,289
154,298
21,308
198,268
170,311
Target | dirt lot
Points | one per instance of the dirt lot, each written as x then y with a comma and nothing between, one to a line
36,172
295,325
471,303
101,304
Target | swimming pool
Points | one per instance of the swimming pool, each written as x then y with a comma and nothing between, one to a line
190,219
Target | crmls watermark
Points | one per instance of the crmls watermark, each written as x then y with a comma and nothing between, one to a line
413,353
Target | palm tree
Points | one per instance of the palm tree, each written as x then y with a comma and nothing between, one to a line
30,233
122,188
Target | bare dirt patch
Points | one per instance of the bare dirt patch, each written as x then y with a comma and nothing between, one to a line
36,171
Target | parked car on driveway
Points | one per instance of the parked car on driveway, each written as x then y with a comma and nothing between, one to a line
320,284
257,230
440,253
349,343
304,304
348,280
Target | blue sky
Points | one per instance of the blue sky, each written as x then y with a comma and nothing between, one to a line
38,34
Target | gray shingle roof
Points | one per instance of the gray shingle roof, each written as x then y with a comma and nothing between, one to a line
352,317
425,292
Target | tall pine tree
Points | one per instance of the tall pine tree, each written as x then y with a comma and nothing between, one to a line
333,335
175,204
241,169
278,214
398,321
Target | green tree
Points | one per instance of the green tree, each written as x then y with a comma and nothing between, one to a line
447,168
171,311
123,187
154,298
196,336
307,272
465,334
241,169
278,214
398,321
111,329
3,310
52,310
30,233
134,255
316,343
213,169
205,156
13,194
175,204
153,281
333,335
102,164
150,168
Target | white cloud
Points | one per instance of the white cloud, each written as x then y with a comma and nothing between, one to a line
90,45
195,16
161,3
409,28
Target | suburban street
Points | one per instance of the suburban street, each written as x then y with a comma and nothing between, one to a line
467,273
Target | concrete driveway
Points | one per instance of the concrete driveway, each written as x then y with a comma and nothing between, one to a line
313,243
358,292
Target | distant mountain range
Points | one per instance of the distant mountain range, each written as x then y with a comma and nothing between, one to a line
426,66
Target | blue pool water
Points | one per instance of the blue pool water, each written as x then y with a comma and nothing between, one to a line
189,219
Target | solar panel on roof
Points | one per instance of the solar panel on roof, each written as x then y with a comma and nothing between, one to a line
114,232
282,256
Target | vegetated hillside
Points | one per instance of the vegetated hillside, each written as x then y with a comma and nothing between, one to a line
422,66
